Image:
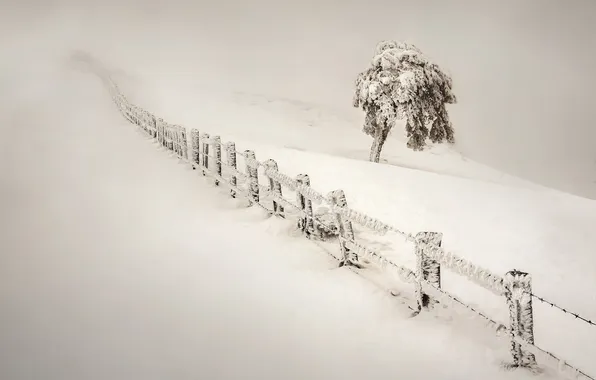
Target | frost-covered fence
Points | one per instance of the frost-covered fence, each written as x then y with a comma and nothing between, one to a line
328,218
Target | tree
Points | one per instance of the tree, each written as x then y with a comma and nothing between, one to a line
403,84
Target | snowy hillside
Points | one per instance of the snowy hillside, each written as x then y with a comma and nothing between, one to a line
119,262
300,126
511,225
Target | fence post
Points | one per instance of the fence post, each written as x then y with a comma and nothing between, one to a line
274,186
427,270
133,115
179,141
216,141
145,121
154,125
140,118
253,175
231,159
160,132
205,149
149,123
337,199
130,110
184,143
518,292
305,223
195,146
176,140
167,135
171,137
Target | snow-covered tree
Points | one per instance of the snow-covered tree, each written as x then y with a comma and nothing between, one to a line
403,84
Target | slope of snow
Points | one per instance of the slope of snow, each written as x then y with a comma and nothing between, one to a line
118,262
297,125
499,227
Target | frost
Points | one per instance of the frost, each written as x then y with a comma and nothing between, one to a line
374,89
403,84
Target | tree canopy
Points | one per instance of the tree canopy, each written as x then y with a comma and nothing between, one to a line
403,84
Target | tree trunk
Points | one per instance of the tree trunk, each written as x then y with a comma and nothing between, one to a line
378,141
374,157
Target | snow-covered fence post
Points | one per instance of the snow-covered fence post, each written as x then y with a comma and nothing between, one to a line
179,141
518,292
196,148
168,136
205,149
252,171
144,121
427,270
176,140
306,223
153,126
274,186
216,141
133,115
150,123
129,112
165,134
137,115
338,201
231,161
171,138
140,114
184,143
160,132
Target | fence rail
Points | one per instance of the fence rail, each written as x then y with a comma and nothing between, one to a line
204,153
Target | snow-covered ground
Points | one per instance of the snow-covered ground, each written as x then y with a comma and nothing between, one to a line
497,221
117,262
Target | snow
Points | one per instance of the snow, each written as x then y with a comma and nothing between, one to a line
119,262
122,263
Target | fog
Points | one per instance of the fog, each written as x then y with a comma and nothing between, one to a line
521,69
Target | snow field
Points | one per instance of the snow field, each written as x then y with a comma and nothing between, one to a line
119,263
